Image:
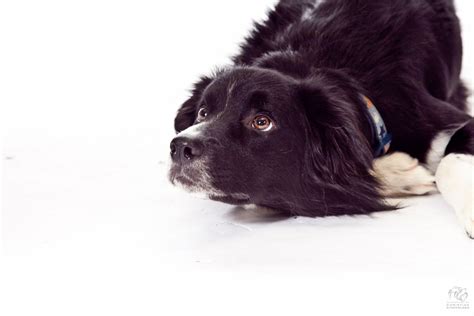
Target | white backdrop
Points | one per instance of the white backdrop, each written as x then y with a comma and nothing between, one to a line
88,93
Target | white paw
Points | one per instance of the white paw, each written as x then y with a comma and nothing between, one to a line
454,177
402,175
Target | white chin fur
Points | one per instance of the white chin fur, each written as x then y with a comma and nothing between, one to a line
202,186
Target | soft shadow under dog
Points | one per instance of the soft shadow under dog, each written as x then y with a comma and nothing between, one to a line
256,214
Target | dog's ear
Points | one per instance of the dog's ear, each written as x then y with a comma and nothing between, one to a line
338,157
336,145
187,112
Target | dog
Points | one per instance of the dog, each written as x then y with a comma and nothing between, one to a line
330,107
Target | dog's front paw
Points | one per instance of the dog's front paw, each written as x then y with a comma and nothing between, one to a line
402,175
454,178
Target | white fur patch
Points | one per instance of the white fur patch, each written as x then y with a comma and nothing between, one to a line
402,175
437,149
308,13
318,3
203,189
454,177
194,131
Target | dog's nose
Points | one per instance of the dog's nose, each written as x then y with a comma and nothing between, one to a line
185,149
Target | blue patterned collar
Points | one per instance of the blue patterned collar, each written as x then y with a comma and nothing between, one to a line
380,136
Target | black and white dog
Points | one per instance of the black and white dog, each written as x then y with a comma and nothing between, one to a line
325,106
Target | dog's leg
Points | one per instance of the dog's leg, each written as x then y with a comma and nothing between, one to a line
401,175
454,178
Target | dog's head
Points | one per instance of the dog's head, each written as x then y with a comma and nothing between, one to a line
255,136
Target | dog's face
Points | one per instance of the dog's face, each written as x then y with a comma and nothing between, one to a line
245,128
254,136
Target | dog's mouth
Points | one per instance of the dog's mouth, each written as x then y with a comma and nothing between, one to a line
187,178
199,182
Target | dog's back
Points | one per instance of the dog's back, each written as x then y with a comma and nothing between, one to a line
406,54
376,39
447,31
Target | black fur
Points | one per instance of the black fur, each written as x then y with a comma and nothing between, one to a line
308,75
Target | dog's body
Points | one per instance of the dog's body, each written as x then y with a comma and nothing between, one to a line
404,54
286,126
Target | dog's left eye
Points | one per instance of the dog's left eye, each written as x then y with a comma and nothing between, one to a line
262,123
202,113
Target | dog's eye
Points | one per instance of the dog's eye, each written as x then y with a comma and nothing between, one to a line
262,123
202,113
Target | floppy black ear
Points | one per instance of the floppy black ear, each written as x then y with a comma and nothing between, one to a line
337,147
187,112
